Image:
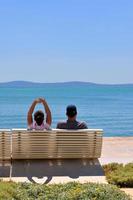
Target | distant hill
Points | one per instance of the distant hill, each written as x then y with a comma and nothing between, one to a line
35,84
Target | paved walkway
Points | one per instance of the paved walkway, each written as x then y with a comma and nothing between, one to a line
54,171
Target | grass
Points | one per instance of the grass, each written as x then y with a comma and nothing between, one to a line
119,174
69,191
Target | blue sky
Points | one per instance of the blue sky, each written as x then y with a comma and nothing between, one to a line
66,40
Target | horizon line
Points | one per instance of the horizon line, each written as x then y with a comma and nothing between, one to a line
62,82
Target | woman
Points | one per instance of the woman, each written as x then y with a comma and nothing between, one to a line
38,123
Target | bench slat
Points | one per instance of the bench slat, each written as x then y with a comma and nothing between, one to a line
5,144
57,144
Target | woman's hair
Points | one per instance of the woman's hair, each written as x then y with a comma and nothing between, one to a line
39,117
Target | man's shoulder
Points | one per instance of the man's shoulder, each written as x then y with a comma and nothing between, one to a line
82,125
61,124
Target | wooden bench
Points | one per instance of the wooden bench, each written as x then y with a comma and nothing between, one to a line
56,144
5,144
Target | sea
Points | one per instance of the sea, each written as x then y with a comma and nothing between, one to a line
107,107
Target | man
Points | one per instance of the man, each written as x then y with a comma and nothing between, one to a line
71,123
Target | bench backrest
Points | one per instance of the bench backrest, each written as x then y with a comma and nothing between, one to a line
56,144
5,144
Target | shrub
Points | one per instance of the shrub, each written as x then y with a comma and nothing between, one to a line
119,174
70,191
7,190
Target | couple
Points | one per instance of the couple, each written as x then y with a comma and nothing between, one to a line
40,123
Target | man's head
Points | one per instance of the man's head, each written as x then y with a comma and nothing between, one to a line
39,117
71,111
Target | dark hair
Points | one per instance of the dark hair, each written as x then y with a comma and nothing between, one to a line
71,110
39,117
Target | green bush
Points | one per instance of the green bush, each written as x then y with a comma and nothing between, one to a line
7,190
119,174
70,191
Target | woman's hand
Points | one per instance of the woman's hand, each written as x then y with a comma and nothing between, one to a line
38,100
42,100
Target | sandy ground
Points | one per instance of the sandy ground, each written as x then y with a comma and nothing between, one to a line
117,149
128,191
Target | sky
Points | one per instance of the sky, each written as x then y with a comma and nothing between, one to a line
66,40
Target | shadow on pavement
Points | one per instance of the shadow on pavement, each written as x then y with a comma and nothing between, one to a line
73,168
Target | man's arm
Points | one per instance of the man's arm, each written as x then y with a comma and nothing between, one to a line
47,110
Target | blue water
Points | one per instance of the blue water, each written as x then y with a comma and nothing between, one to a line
101,106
